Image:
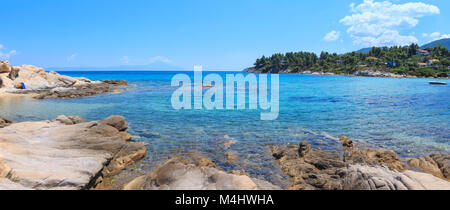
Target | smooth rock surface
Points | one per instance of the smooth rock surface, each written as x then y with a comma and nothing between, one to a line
436,164
52,155
176,174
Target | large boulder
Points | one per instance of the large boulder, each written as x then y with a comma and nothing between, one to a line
117,122
314,169
33,77
52,155
178,174
5,67
360,177
436,164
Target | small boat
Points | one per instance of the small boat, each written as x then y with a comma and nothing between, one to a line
437,83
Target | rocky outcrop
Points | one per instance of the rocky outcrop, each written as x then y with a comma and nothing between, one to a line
436,164
5,67
178,174
67,153
314,169
117,122
27,79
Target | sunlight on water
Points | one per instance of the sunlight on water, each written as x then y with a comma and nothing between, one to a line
406,115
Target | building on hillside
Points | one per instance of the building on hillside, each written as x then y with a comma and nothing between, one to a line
422,64
370,60
391,63
433,62
339,62
422,52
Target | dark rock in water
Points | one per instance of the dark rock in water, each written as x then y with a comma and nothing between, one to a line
78,91
4,122
178,174
346,142
314,169
115,82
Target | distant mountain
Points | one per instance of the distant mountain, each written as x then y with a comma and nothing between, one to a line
157,66
364,50
443,42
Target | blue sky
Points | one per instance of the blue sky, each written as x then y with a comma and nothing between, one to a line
219,34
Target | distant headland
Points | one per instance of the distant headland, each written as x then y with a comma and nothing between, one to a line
397,61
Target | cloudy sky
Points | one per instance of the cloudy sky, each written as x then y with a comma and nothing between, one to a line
220,34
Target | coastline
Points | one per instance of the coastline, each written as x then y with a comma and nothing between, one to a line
356,74
98,151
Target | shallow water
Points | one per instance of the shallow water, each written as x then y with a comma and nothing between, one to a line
406,115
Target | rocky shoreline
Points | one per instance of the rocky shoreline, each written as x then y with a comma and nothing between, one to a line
361,73
355,169
35,82
67,153
71,153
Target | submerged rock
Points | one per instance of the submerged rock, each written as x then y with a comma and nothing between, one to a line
177,174
314,169
54,155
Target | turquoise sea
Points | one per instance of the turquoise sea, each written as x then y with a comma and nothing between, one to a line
406,115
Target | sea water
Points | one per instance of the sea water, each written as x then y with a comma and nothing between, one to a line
408,116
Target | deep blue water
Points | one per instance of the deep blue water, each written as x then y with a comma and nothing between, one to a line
406,115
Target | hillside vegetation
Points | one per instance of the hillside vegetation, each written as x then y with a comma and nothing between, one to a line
408,60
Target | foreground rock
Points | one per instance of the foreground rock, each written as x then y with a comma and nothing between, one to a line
436,164
68,153
314,169
177,174
27,79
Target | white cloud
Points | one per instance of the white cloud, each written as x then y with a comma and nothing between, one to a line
125,59
436,36
158,59
332,36
6,55
72,57
378,23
